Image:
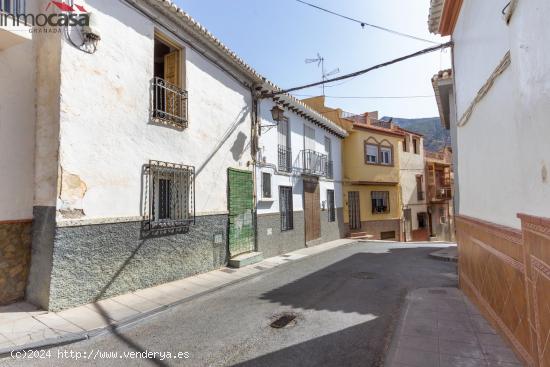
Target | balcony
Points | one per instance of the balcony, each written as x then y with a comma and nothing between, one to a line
443,193
13,29
314,163
169,103
284,158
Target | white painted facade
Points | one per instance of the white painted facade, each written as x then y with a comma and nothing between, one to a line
17,124
268,160
106,136
412,165
503,163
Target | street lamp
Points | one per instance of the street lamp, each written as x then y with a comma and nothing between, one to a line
277,112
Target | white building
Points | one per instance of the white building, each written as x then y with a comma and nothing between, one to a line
299,177
413,187
496,102
128,146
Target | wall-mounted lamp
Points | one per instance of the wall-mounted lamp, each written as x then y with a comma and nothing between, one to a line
277,112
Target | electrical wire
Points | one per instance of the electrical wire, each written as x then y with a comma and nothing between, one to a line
364,71
363,24
366,97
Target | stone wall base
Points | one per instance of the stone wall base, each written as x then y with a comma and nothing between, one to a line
15,252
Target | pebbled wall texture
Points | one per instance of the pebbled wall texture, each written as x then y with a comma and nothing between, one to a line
15,251
92,262
282,242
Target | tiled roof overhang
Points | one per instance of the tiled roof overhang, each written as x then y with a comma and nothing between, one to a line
261,83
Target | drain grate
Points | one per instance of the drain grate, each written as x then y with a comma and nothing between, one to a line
283,321
437,291
363,275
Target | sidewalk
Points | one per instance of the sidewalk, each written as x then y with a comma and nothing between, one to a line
440,327
23,326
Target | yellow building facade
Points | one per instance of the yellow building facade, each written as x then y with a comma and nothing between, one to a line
371,189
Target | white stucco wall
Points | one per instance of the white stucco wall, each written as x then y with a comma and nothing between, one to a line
503,149
106,137
410,166
268,143
17,117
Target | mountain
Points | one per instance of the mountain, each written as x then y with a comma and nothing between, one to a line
435,135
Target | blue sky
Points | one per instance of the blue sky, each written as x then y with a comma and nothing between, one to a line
275,37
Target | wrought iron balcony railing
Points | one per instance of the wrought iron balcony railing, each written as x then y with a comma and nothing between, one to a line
284,158
314,163
443,193
13,7
169,103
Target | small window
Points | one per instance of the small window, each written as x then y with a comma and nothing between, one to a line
419,188
380,202
405,147
286,208
171,195
372,153
266,185
389,235
416,149
385,156
330,205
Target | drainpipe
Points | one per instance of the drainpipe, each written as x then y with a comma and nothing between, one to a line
254,152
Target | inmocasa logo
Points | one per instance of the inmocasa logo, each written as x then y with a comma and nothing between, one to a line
66,15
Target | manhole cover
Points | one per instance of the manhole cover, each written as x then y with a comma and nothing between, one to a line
437,291
283,320
363,275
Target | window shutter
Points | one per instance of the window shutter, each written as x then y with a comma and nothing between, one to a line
171,68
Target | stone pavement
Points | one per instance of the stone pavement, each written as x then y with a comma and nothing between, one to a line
23,326
441,327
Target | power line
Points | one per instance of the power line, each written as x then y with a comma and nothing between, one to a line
366,97
364,71
363,24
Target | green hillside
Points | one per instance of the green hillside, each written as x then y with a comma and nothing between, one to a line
435,135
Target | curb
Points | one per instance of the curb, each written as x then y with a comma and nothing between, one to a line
132,320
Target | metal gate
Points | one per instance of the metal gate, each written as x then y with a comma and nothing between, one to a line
354,210
240,204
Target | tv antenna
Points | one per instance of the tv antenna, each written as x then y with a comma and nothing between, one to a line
320,60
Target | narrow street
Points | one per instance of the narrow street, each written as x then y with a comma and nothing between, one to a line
346,302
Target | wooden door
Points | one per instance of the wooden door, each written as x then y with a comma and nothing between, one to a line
354,210
241,207
312,209
171,76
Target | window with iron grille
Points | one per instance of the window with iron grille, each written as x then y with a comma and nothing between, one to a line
380,202
286,208
330,206
171,195
266,185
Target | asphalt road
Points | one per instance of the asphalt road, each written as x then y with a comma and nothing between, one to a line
346,302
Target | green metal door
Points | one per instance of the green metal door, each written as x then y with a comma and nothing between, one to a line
241,204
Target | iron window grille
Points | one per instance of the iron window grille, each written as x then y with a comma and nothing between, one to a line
286,208
171,196
13,7
314,163
330,205
266,185
330,170
169,103
380,202
284,158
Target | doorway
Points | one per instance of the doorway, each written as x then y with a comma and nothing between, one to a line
312,210
354,210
